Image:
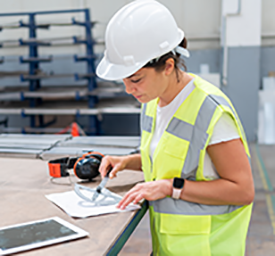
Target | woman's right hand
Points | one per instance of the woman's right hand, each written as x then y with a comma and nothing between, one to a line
117,163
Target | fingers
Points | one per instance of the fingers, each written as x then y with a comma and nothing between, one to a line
113,172
132,196
116,163
150,191
104,166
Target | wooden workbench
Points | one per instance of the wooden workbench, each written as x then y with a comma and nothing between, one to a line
23,186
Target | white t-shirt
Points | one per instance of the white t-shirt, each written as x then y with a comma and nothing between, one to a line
224,130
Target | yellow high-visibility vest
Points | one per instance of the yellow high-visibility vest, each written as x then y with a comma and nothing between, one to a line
179,227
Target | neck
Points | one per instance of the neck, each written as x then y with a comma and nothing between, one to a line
174,87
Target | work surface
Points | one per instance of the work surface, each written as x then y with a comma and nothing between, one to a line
23,186
24,182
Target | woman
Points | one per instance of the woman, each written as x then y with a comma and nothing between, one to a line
194,153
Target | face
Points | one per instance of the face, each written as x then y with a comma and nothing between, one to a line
146,84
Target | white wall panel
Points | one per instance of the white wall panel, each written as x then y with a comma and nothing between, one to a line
199,19
268,22
268,16
244,28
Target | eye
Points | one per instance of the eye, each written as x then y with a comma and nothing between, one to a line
136,81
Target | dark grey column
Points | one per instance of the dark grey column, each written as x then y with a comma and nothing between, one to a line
243,81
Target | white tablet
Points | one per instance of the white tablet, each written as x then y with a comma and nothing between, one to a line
35,234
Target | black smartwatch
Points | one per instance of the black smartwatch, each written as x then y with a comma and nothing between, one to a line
178,184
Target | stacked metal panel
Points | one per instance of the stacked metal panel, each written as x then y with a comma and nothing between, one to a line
48,147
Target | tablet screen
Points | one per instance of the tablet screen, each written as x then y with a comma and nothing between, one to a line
36,234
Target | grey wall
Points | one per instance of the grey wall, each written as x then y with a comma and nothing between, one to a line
198,57
243,85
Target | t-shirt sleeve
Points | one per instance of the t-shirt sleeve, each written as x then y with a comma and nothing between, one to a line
224,130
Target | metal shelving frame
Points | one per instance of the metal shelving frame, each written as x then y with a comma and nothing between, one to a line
33,60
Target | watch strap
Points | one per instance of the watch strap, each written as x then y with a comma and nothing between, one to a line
176,193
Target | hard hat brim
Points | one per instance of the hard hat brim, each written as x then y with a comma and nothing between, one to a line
112,72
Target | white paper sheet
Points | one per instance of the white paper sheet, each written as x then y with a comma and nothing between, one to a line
75,206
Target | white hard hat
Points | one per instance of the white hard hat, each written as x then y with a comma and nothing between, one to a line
139,32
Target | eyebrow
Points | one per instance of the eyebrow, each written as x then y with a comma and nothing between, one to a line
133,76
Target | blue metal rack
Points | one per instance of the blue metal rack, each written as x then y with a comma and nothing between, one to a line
34,60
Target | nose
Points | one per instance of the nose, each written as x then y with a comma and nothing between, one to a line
129,87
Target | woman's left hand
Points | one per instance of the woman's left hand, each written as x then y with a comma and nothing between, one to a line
150,191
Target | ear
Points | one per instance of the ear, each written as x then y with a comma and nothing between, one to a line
169,66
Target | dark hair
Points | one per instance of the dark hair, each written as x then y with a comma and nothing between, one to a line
159,63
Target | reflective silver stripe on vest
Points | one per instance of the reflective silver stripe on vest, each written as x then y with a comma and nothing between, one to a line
145,121
222,101
199,138
175,206
195,134
180,129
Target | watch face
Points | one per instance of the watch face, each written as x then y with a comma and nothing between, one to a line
178,183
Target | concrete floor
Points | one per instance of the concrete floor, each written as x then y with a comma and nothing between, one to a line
261,234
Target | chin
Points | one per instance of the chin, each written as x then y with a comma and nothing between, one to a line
143,100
